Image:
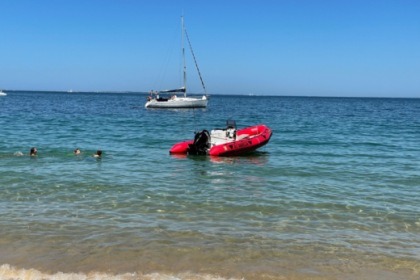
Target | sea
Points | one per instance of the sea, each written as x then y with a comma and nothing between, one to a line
335,194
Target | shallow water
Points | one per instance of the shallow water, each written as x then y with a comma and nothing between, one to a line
333,195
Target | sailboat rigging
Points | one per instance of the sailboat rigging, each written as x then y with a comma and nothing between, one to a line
154,100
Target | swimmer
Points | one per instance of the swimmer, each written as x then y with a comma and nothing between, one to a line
33,152
98,154
77,152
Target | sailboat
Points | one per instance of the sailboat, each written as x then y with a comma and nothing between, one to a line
2,93
155,99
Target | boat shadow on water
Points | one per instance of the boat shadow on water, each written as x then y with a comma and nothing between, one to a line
255,157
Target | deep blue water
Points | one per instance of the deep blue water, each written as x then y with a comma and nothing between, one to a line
333,195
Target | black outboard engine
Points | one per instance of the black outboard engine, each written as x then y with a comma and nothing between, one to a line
201,143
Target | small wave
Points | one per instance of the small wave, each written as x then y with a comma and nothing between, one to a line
11,273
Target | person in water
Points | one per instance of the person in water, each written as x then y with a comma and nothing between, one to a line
77,152
33,152
98,154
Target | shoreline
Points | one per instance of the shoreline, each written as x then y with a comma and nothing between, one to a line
338,272
121,262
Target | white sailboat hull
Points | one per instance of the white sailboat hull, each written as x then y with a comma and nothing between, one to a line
178,102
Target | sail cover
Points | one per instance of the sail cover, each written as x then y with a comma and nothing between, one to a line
174,90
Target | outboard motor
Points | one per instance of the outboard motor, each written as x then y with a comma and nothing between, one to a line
201,143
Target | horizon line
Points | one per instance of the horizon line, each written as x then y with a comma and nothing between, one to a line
220,94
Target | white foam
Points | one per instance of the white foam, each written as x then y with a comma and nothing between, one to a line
11,273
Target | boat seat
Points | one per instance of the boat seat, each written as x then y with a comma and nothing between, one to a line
218,136
242,136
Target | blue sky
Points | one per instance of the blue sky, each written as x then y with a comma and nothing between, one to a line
310,48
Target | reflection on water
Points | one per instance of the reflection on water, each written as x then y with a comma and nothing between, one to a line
257,158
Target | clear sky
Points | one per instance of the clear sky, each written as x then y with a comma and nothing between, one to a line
311,48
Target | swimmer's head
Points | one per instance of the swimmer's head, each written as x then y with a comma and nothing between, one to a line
33,151
98,154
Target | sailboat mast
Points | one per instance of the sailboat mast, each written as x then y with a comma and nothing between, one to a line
183,56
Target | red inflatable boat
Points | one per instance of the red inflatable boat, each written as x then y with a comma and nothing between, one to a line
225,142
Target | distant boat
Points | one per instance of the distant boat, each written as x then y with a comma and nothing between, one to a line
155,99
2,93
225,142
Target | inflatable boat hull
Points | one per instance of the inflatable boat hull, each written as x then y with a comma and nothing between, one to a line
247,140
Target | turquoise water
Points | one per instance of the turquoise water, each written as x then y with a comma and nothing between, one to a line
333,195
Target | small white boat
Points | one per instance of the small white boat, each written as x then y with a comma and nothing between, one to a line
155,99
2,93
